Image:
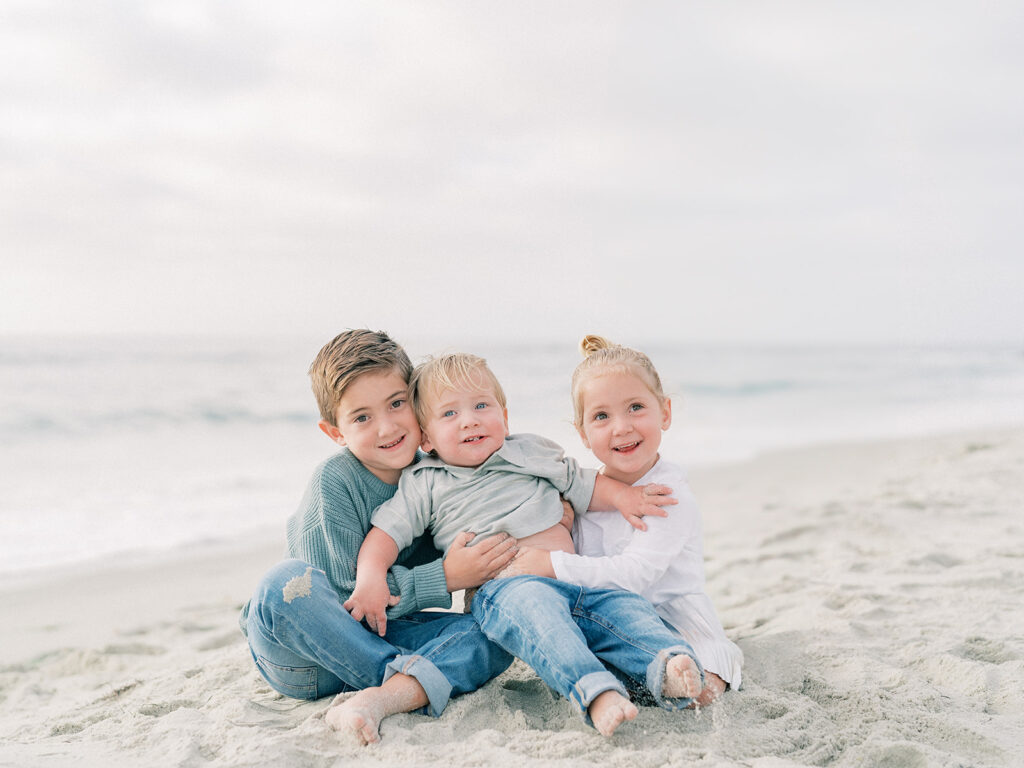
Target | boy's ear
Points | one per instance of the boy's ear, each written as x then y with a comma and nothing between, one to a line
583,437
425,442
504,412
666,413
332,432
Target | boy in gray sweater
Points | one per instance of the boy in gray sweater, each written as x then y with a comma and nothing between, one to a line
303,641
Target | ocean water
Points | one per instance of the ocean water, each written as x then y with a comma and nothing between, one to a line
120,448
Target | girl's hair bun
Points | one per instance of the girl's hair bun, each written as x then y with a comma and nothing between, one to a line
592,343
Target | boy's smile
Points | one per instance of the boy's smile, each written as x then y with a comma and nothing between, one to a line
377,423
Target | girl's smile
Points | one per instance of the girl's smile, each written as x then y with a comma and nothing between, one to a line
622,424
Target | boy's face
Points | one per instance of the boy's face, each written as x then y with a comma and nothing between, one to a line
465,425
377,423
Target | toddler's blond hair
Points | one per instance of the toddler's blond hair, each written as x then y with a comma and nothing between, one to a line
457,370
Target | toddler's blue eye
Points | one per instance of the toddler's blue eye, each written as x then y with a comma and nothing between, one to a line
480,406
398,403
636,407
361,418
446,414
600,416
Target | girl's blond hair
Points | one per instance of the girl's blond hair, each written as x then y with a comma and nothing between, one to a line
601,356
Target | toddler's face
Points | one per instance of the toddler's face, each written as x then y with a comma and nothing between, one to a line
465,425
622,424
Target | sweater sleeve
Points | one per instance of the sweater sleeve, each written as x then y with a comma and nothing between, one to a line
331,539
644,561
420,587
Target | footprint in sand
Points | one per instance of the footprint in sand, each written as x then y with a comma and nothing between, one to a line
190,627
898,756
984,650
936,559
223,641
165,708
773,710
790,534
522,691
533,699
71,728
134,649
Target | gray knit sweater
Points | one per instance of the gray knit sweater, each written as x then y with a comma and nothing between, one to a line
333,519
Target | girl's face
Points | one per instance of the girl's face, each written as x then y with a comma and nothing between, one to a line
622,424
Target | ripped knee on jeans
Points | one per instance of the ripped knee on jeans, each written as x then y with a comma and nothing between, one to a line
299,586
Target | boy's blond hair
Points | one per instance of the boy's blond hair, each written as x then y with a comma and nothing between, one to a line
458,370
601,356
348,356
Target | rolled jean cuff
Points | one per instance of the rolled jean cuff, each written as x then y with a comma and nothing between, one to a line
433,681
656,677
589,687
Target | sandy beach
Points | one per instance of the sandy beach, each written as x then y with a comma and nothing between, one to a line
876,590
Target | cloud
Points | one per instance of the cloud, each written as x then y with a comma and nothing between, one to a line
689,170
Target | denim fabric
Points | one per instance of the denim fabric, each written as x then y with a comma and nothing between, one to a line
306,645
565,632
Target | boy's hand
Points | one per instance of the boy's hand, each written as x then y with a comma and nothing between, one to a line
466,567
370,601
635,501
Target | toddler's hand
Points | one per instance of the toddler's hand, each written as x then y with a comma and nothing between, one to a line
466,567
639,500
370,601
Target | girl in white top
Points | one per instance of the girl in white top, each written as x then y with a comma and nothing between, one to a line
620,412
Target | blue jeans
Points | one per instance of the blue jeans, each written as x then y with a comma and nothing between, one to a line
306,645
565,631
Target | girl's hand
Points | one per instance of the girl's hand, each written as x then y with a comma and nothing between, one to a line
370,601
529,562
635,501
466,567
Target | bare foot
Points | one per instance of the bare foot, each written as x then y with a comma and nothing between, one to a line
610,710
358,716
361,715
714,686
682,678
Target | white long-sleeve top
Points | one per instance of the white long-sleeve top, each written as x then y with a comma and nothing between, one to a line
665,564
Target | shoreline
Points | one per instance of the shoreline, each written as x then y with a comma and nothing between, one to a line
876,589
262,537
86,605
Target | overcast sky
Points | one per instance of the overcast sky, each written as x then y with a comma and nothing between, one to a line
693,171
